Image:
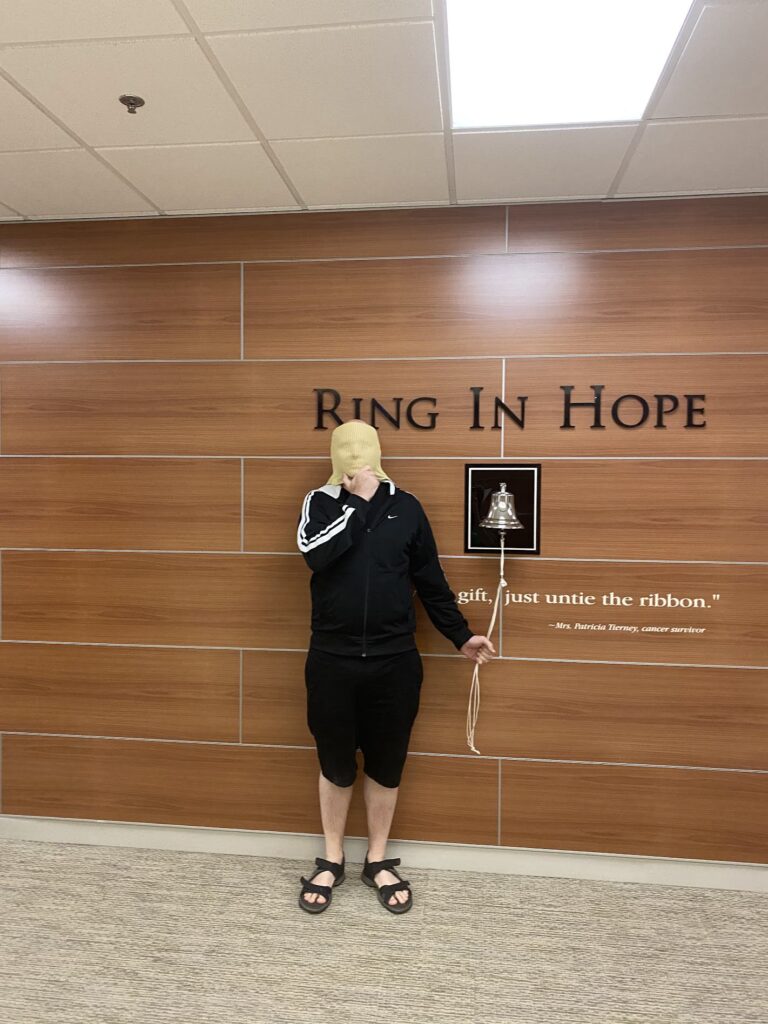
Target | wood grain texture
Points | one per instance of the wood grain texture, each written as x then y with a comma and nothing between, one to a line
118,691
694,222
442,800
620,713
232,786
689,509
734,406
273,493
231,409
677,510
646,714
311,235
643,714
649,811
275,698
735,627
126,652
684,301
635,509
462,574
120,503
187,599
182,312
240,408
191,600
209,785
533,227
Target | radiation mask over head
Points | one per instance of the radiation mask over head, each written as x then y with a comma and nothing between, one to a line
353,445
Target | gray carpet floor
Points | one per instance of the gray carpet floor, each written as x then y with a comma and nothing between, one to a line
111,935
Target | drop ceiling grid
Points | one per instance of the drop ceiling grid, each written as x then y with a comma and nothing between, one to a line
218,147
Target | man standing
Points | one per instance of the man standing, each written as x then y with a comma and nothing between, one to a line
368,544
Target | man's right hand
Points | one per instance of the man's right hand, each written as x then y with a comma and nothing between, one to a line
364,483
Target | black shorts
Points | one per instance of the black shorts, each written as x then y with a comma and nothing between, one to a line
370,703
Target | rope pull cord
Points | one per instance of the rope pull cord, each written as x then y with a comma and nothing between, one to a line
474,690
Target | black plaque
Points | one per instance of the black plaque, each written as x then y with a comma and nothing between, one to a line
523,480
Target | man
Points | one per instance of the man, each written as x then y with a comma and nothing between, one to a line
368,544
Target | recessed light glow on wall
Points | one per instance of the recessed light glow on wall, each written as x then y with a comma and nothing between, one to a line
557,61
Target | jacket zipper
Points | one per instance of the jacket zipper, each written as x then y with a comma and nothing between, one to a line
365,607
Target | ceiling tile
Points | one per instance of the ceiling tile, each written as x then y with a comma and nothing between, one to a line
699,156
361,80
184,99
229,15
65,183
185,179
33,21
542,164
25,126
724,67
379,170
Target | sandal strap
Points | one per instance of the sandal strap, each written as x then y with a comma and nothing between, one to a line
373,867
389,890
323,890
329,865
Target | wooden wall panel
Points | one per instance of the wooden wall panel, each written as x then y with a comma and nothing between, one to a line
652,811
126,598
532,227
275,699
157,598
310,235
709,510
241,408
194,504
642,714
734,406
120,691
232,786
736,630
221,409
273,493
213,785
446,800
120,503
621,713
604,508
462,574
184,312
121,340
641,224
684,301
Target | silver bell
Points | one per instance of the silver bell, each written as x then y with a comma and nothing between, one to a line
501,514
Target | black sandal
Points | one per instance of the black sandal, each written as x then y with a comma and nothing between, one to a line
384,892
324,890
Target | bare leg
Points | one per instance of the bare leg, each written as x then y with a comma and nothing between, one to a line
380,808
334,805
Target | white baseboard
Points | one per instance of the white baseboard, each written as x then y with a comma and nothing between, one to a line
606,867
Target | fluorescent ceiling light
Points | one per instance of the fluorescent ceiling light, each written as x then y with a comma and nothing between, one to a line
557,61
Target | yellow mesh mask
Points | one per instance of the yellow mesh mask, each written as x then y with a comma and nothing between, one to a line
353,445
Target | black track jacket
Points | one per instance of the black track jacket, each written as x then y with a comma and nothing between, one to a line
366,559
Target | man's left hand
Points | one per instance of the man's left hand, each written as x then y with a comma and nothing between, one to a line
479,649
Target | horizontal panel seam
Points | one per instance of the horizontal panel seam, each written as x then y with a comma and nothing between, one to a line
427,654
226,552
237,361
509,254
406,458
416,753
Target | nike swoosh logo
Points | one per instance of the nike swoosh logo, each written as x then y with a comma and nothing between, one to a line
391,517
